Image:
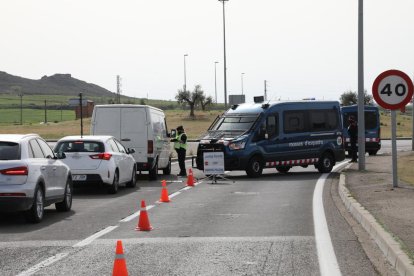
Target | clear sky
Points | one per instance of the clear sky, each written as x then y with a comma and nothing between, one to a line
302,48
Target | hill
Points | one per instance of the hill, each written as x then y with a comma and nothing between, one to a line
58,84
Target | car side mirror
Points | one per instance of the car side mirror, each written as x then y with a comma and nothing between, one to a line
131,151
60,155
173,133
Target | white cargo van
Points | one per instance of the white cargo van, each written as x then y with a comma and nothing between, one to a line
139,127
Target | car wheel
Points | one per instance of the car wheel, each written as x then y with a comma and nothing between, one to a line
167,170
254,167
326,163
113,189
36,212
153,173
133,182
283,169
66,204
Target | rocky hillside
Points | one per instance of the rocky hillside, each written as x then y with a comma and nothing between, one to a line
58,84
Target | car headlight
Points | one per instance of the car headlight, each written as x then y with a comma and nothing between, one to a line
238,145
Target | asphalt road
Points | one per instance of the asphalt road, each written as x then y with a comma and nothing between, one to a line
265,226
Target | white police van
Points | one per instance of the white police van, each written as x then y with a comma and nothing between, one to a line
254,136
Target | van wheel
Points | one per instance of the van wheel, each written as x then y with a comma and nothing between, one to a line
66,204
283,169
113,189
326,163
153,173
133,182
254,167
372,152
167,170
36,212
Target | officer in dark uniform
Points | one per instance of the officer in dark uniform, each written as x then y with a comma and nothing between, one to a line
353,135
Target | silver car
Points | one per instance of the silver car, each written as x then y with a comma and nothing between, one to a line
32,177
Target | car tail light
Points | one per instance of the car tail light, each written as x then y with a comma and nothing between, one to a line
150,146
15,171
102,156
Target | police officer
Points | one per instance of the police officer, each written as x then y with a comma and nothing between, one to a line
353,135
180,146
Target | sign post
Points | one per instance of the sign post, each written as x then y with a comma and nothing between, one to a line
393,90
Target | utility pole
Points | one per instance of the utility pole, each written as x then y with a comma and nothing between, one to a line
361,94
45,112
265,91
81,112
21,108
118,89
224,48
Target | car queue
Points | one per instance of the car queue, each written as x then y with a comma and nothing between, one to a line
126,139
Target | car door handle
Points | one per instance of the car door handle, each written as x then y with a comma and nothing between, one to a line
126,139
54,168
43,168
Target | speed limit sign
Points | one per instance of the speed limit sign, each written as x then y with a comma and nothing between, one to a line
392,89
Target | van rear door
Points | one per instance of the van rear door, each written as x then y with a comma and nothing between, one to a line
106,121
134,134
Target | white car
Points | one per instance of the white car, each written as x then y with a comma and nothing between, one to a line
101,159
32,176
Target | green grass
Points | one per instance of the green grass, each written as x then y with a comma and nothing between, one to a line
34,116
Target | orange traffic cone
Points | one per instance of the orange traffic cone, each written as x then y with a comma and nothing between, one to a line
143,222
164,192
120,268
190,178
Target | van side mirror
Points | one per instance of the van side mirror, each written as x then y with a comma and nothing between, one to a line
131,151
173,133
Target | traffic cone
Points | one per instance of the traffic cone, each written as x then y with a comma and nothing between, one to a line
164,192
143,222
120,268
190,178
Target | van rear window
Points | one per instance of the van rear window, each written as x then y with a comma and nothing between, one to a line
9,151
371,119
80,146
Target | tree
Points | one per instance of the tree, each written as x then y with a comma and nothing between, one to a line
351,97
190,98
205,101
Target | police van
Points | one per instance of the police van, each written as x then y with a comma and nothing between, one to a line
280,135
372,127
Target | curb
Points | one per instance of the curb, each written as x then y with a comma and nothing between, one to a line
389,247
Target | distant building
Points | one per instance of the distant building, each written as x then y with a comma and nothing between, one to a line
86,110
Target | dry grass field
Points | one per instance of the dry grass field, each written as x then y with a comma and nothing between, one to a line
194,128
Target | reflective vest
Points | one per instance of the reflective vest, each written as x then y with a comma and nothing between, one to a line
178,144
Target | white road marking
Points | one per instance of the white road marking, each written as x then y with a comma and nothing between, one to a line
90,239
174,194
43,264
328,263
136,214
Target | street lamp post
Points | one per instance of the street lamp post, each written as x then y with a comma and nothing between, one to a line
361,94
224,44
215,78
185,74
242,74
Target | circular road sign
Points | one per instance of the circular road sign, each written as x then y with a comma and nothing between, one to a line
392,89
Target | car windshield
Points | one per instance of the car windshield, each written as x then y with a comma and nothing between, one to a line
235,123
80,146
9,151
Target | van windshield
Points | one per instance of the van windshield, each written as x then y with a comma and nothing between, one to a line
235,123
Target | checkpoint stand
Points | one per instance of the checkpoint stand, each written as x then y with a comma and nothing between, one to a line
214,166
393,90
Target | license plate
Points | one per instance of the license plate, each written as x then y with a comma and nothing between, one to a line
79,177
